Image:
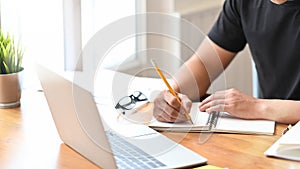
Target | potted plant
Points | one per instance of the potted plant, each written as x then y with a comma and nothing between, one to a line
11,56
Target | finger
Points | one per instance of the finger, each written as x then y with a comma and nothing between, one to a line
160,114
171,100
211,103
206,100
168,114
181,118
186,104
170,111
216,108
219,95
163,111
165,118
216,96
159,104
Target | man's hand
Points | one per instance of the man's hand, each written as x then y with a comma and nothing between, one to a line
232,101
168,109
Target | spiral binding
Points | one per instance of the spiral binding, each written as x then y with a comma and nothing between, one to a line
212,119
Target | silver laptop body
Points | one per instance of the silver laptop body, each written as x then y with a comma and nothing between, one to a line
84,132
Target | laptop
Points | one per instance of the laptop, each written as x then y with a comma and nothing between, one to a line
80,126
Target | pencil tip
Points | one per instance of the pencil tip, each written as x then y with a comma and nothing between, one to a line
191,122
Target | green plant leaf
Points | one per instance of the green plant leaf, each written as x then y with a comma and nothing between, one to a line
11,55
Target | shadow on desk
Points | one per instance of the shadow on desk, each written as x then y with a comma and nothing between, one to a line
69,157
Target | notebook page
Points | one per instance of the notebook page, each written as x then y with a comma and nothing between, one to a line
199,119
230,124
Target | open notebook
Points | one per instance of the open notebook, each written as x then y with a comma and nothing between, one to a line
288,146
214,122
221,122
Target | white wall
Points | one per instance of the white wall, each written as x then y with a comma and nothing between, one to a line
38,26
202,14
239,73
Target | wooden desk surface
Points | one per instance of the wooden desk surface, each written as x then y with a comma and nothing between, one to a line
29,140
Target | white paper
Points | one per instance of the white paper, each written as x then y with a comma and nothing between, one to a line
288,145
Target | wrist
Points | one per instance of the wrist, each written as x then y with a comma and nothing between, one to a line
264,110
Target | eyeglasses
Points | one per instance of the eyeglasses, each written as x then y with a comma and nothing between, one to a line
129,102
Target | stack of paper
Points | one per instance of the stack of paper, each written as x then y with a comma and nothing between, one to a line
288,146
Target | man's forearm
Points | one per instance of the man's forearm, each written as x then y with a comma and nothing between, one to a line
192,79
196,75
284,111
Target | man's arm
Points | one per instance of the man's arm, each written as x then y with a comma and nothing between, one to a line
195,76
284,111
192,80
243,106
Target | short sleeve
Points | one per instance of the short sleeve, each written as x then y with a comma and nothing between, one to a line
227,31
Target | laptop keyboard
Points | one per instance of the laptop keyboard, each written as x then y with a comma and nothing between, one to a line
129,156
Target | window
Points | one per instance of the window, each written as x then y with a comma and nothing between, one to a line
39,25
96,15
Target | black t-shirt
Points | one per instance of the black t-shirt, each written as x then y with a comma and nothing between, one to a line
272,32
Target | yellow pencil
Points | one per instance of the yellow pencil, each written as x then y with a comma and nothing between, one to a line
169,87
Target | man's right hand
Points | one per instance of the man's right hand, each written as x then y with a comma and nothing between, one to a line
168,109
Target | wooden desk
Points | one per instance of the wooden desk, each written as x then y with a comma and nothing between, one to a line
29,140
